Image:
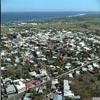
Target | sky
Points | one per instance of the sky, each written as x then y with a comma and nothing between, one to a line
49,5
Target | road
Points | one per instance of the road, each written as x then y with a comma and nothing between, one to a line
66,73
18,96
49,95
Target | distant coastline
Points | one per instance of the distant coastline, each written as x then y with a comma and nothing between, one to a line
35,16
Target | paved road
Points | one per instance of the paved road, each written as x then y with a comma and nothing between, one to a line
96,60
49,95
18,96
77,68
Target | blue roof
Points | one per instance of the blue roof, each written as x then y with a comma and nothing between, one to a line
57,97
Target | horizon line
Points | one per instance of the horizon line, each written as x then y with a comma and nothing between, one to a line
45,11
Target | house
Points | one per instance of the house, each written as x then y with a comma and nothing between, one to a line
67,66
8,86
67,92
38,53
40,89
33,74
3,53
3,69
84,69
31,61
54,57
78,48
21,87
52,67
70,75
87,48
96,65
30,84
8,59
17,59
89,59
54,82
90,68
11,89
43,72
77,72
44,59
8,79
82,43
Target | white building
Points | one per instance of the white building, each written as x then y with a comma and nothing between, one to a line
67,91
19,85
68,65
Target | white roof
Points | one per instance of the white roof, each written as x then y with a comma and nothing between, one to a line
90,67
8,59
40,90
66,85
36,48
43,72
35,65
20,85
82,43
44,59
55,81
15,64
3,68
54,57
10,88
31,61
70,75
69,32
2,53
78,72
87,48
57,66
96,65
52,66
68,65
38,53
89,58
67,91
84,69
7,79
17,59
33,73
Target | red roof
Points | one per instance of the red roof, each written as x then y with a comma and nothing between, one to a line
30,84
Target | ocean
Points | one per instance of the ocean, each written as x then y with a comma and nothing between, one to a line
27,16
